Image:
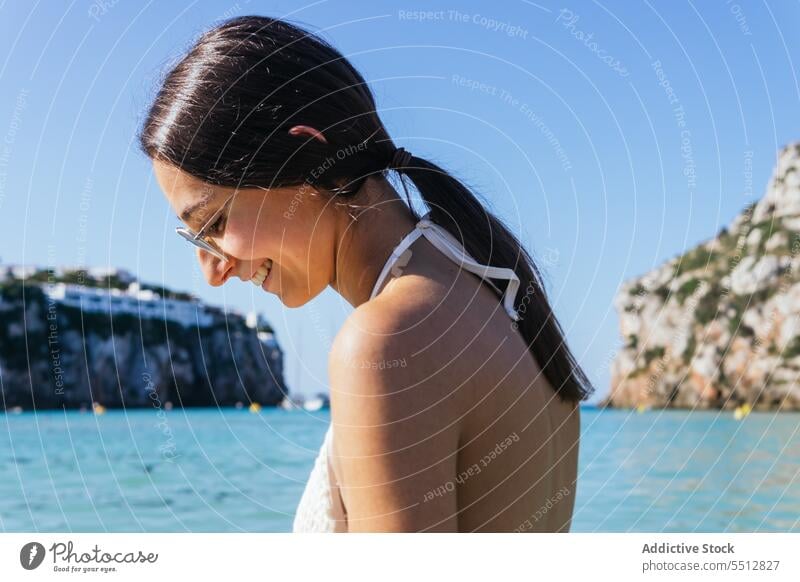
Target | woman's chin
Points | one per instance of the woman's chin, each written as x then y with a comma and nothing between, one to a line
275,287
289,298
291,301
287,295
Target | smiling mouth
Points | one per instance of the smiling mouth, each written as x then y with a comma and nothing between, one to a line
261,273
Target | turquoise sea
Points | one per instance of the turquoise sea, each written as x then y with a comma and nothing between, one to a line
232,470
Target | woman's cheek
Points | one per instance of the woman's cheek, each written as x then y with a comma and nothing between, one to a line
242,239
240,247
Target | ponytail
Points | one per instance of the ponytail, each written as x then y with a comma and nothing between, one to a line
490,242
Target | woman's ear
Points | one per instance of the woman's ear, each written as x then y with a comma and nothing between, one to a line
307,130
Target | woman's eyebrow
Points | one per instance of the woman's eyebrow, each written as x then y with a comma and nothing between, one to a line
186,213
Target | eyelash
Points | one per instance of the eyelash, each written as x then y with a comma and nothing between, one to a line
216,228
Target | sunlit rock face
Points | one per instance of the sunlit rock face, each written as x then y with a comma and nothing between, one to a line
719,326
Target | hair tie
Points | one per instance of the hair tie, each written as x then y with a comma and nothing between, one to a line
400,160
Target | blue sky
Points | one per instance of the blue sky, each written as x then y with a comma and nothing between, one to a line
610,136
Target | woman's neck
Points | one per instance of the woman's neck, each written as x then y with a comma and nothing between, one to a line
363,246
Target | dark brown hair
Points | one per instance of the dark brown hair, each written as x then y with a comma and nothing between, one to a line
223,113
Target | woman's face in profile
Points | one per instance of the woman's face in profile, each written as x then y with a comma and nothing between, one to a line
292,227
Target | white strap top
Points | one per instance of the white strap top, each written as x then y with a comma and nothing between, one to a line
451,248
321,508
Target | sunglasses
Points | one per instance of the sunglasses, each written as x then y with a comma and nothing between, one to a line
200,239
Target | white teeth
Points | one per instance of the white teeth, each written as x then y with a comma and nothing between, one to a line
261,273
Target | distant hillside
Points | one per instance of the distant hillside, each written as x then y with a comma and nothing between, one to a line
719,326
70,338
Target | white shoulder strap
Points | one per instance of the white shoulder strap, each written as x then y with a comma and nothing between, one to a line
450,247
396,254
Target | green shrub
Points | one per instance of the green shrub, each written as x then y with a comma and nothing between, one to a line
638,289
793,349
654,353
691,346
695,259
686,289
707,306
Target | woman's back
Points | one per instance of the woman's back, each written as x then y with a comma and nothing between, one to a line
520,441
474,383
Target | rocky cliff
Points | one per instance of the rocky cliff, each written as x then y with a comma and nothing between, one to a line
719,326
55,354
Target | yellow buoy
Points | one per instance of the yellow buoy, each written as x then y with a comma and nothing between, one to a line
742,411
255,407
98,408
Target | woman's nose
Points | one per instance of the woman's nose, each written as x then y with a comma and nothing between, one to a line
215,270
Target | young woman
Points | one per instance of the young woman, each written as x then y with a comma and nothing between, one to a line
454,397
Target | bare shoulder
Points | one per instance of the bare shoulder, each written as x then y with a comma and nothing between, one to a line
396,435
385,333
418,339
